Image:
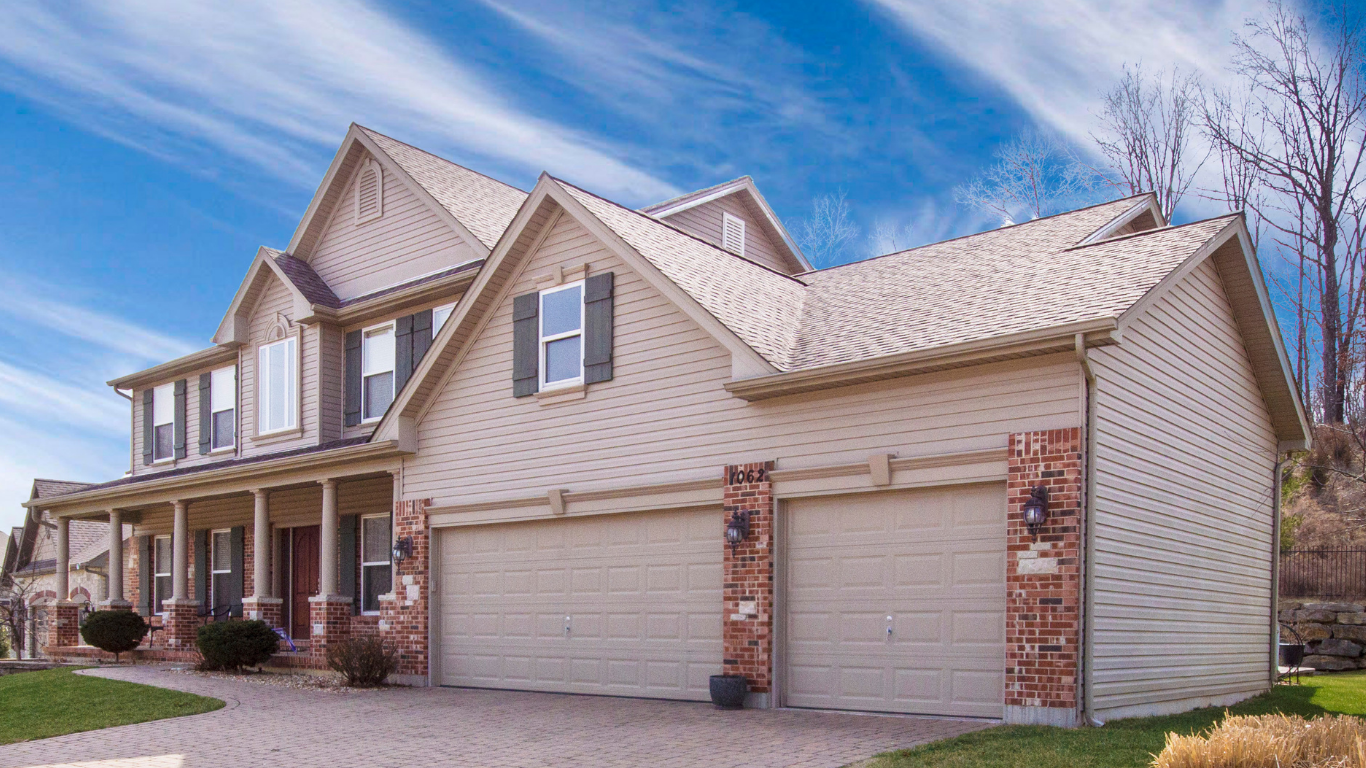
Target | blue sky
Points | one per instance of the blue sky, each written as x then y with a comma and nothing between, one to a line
147,148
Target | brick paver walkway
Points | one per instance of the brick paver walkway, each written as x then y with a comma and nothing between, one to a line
267,725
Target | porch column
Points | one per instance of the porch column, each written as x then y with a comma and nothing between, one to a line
114,600
180,613
63,587
327,558
64,630
263,605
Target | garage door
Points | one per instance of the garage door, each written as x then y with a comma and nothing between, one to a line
896,601
614,604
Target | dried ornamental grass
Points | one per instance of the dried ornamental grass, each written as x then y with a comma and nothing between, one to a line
1270,741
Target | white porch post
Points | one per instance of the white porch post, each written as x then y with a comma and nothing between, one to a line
327,557
180,553
115,595
261,547
63,559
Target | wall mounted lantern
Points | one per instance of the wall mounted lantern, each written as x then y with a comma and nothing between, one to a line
403,549
1036,509
738,529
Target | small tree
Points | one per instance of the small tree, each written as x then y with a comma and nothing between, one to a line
114,631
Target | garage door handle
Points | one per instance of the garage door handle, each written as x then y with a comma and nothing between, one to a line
889,626
566,626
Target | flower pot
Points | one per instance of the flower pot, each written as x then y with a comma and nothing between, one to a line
728,691
1292,654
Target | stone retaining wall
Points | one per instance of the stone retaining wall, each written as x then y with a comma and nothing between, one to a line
1334,633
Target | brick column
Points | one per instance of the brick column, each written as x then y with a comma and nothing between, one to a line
64,620
403,612
330,617
181,621
1043,581
747,579
268,609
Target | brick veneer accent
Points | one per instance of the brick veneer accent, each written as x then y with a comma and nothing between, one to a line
1043,580
271,610
66,624
403,614
747,577
181,621
330,617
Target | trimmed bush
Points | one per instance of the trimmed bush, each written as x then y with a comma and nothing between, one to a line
114,631
365,661
231,645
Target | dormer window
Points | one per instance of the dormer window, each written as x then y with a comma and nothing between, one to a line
369,192
733,234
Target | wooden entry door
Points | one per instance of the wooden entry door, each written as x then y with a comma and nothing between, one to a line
303,579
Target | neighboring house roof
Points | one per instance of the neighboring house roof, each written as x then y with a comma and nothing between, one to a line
43,489
743,185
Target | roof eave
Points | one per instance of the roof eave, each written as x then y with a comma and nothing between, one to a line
204,357
1061,338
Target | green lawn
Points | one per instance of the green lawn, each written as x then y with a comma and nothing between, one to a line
35,705
1122,743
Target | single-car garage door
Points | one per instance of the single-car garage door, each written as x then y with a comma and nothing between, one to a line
625,604
896,601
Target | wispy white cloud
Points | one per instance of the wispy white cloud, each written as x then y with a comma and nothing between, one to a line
273,84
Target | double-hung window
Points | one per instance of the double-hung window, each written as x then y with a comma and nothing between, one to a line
163,422
377,371
376,575
220,561
439,317
161,572
223,408
277,386
561,336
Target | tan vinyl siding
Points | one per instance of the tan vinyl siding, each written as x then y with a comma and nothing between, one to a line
704,221
1185,459
408,241
275,304
331,372
665,415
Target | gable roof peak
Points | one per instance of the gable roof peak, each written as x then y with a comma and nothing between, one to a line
742,185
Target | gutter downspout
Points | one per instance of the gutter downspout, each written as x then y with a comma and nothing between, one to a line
1276,570
132,425
1088,538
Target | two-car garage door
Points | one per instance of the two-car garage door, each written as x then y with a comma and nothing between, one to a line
631,604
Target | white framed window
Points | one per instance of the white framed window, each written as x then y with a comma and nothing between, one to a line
375,572
369,192
277,386
223,408
220,567
561,343
163,423
161,572
733,234
440,315
377,371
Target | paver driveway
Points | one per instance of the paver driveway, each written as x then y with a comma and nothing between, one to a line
268,725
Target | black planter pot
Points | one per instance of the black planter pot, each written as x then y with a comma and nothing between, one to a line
728,691
1292,654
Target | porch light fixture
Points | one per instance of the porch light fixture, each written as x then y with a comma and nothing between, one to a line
1036,509
403,549
738,529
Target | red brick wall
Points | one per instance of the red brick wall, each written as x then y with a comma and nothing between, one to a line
404,618
747,578
1043,573
335,618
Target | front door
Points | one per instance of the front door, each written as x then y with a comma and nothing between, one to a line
303,579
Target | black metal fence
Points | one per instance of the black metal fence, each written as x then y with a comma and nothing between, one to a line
1323,573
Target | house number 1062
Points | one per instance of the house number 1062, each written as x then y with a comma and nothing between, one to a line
746,476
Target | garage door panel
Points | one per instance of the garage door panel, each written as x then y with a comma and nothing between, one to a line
931,560
642,593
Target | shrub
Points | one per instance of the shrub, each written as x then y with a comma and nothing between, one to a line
365,661
231,645
1270,741
114,631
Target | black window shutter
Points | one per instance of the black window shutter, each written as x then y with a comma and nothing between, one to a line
353,378
422,336
597,330
403,352
205,412
525,338
201,568
145,568
148,438
346,528
237,581
180,387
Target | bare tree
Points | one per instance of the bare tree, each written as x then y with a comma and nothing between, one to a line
14,611
1147,128
889,237
1034,175
829,232
1303,136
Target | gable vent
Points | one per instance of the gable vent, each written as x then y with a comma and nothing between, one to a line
370,192
733,234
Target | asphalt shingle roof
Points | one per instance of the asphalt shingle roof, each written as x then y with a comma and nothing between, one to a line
43,489
306,280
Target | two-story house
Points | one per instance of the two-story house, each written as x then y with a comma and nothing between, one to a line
543,441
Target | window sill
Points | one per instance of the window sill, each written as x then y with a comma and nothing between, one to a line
278,436
163,462
562,394
221,451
